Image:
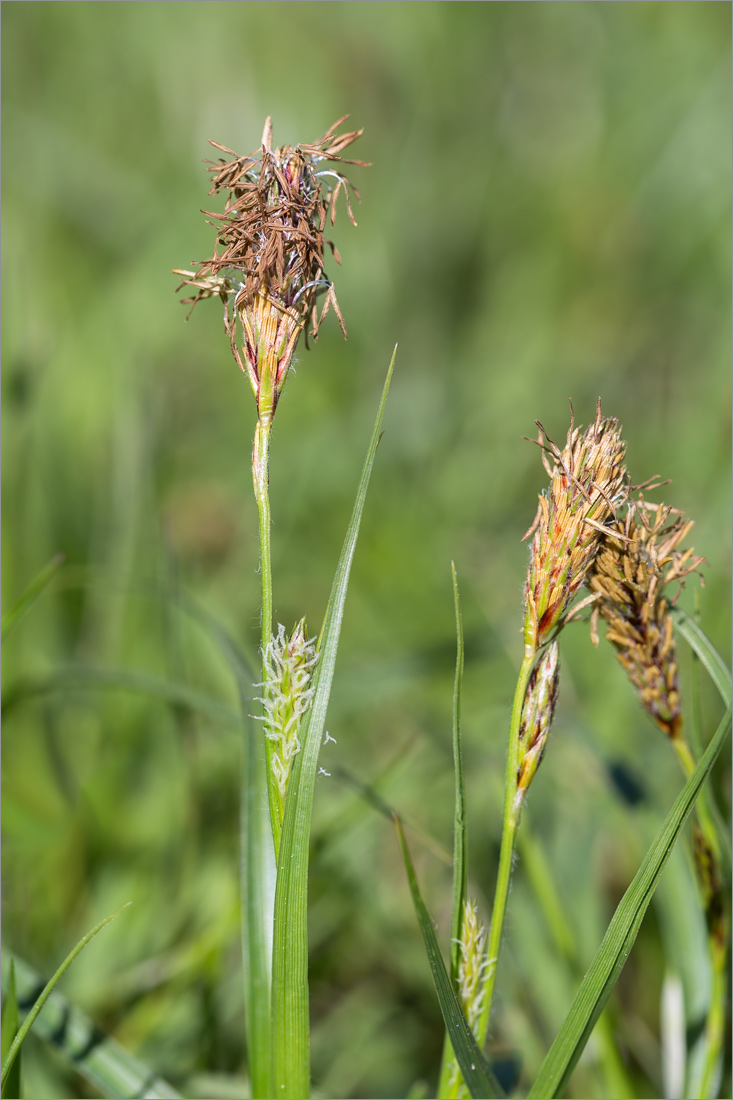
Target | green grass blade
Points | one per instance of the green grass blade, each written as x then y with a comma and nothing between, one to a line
603,973
476,1074
96,678
459,816
10,1021
291,1053
258,876
107,1066
257,866
716,667
44,995
19,609
459,835
721,676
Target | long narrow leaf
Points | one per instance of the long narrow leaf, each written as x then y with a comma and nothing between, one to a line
257,863
596,987
291,1054
258,876
12,617
10,1023
459,813
458,908
717,669
476,1073
96,678
720,674
45,993
257,860
107,1066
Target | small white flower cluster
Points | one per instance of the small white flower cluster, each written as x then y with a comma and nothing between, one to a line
288,694
472,965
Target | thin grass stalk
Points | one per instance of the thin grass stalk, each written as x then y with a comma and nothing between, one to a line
508,840
261,482
449,1062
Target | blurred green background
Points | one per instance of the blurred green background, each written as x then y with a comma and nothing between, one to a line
547,216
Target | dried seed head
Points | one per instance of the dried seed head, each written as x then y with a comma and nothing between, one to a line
589,481
537,715
268,262
639,558
288,694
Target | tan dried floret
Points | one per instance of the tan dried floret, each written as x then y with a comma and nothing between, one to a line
268,261
630,575
588,483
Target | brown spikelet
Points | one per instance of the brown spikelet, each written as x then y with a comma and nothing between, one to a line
630,576
268,262
588,482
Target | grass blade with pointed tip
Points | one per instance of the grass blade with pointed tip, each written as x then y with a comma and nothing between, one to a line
108,1067
12,617
43,997
476,1074
596,987
290,1024
459,817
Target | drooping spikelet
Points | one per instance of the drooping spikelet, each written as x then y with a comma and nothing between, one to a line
629,578
288,663
537,714
588,482
268,262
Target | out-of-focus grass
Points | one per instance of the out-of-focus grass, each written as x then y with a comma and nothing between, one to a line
547,215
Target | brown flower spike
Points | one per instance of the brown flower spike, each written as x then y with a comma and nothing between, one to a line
639,559
268,262
588,482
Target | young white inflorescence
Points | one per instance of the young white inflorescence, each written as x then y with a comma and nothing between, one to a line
288,693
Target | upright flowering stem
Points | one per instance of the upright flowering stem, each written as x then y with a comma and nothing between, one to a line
268,270
508,841
261,483
587,479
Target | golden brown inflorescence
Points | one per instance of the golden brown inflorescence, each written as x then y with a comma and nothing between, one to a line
629,578
588,483
268,262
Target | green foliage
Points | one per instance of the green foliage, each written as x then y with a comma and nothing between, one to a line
11,1080
547,215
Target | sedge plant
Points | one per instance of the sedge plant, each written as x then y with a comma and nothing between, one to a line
596,542
268,270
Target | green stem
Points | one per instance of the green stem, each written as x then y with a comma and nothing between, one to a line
508,838
258,823
261,482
